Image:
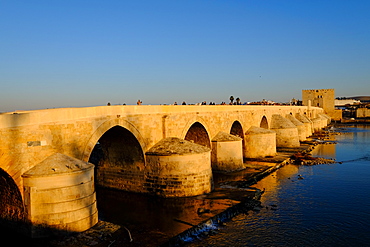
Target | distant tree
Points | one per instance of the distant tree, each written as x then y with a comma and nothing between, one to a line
108,104
231,99
237,101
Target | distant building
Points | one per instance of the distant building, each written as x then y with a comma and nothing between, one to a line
262,102
363,112
295,102
343,102
323,98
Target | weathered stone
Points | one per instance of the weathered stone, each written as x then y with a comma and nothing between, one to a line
60,196
174,145
178,168
125,134
286,132
260,142
300,126
306,122
57,164
225,137
227,152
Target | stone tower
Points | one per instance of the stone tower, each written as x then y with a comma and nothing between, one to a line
323,98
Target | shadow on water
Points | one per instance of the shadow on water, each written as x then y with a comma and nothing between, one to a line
158,219
148,216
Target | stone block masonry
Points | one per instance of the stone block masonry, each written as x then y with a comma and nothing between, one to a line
178,168
286,132
227,152
261,143
118,140
60,196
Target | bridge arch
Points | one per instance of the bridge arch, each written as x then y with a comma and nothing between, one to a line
12,210
119,160
264,123
118,147
105,127
237,130
198,134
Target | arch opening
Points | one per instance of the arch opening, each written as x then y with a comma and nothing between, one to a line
116,154
237,130
198,134
264,123
12,211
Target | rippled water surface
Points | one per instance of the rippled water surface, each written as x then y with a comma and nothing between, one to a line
323,205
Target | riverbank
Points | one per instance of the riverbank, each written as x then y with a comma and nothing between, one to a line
355,121
233,194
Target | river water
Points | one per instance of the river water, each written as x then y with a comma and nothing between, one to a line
322,205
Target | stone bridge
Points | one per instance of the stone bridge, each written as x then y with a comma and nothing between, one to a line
51,160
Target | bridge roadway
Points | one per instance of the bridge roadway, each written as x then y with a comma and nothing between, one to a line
37,146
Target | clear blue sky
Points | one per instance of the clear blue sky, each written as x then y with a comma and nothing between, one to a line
87,53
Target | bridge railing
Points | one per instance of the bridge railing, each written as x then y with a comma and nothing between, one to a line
22,118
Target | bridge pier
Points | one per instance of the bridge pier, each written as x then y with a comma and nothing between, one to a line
307,123
227,152
260,142
300,126
178,168
321,121
59,196
286,132
317,124
326,117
